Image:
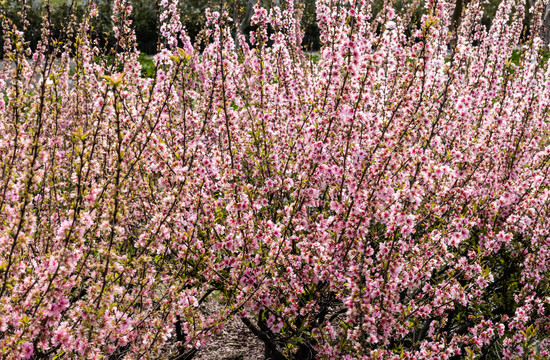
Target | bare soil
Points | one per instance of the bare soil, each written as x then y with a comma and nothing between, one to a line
234,342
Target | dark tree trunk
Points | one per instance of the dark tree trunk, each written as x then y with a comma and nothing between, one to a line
546,25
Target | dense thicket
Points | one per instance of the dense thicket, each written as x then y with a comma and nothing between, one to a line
386,199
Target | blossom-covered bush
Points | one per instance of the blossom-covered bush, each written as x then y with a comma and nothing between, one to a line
388,200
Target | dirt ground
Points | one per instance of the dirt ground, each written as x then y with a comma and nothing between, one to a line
235,342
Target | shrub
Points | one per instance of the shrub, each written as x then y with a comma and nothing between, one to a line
387,200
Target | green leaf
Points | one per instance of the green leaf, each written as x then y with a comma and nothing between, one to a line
115,82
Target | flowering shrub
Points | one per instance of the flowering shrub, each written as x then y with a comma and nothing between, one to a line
389,200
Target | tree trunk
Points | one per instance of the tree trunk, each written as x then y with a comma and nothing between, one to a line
247,15
245,22
546,25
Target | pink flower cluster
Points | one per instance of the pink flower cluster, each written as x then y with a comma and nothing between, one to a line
386,200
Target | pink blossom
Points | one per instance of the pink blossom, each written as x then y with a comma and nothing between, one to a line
27,350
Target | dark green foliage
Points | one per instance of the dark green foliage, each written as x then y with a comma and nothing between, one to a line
147,66
144,18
